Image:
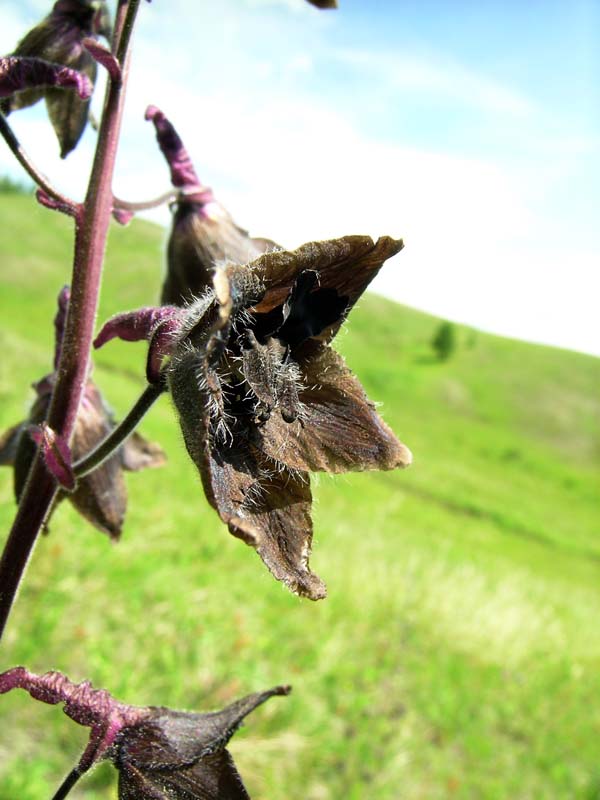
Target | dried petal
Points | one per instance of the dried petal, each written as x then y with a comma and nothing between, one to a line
265,504
167,739
138,453
338,429
214,777
346,265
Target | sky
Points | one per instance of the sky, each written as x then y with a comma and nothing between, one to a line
470,129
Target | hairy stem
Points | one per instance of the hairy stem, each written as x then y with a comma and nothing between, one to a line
91,229
68,783
17,150
117,436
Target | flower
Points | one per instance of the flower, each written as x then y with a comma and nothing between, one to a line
203,232
160,754
100,496
58,38
263,399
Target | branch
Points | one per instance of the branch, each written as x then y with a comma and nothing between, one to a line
120,433
166,197
17,150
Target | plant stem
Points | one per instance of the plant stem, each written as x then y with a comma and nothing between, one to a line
17,150
142,205
118,434
91,229
68,783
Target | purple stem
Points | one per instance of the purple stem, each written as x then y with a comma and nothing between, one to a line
15,146
91,228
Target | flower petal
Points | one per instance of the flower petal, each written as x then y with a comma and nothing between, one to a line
346,265
165,739
265,505
338,429
182,755
138,453
67,112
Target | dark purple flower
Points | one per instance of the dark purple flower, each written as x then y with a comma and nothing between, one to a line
100,496
160,754
58,38
203,232
262,398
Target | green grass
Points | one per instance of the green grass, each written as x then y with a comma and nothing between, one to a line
458,653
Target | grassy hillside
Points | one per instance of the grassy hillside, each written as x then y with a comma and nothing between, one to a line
458,653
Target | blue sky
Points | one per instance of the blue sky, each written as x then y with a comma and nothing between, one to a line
471,129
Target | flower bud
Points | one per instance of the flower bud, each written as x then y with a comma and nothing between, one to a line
59,39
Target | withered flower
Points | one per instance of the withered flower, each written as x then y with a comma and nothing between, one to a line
58,38
203,232
160,754
262,398
100,496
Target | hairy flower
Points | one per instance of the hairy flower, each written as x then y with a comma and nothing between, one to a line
100,496
262,398
160,754
203,232
58,38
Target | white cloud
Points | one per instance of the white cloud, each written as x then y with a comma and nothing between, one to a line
416,72
480,246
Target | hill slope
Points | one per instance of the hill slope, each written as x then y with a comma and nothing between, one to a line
458,653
